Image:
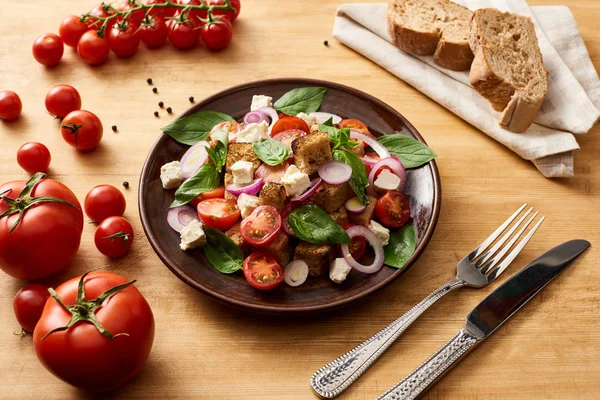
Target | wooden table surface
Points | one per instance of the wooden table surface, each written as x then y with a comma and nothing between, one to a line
204,350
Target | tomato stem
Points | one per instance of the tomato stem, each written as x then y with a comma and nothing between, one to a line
118,235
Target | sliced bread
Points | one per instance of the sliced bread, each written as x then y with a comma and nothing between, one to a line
508,69
426,27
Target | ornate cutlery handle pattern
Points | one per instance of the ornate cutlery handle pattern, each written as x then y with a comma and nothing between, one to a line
335,377
418,381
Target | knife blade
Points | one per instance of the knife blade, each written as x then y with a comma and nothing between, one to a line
487,316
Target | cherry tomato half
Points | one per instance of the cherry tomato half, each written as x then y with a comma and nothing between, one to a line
48,49
260,227
220,214
155,33
122,40
114,237
34,157
10,105
82,130
92,48
183,36
392,209
217,34
28,305
71,29
355,124
62,99
288,123
104,201
287,137
262,270
216,193
271,173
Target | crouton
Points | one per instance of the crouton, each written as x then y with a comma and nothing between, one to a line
316,256
241,151
310,151
314,128
273,194
228,180
366,216
331,197
340,215
280,247
358,150
235,235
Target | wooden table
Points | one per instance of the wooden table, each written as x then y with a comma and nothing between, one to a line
204,350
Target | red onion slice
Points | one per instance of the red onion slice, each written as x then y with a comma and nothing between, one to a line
397,168
193,159
314,185
335,172
359,230
354,206
323,117
249,188
272,113
180,217
374,144
255,117
296,273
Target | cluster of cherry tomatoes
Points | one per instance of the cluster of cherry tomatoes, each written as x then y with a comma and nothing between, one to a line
122,27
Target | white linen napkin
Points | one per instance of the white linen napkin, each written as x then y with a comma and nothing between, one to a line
571,105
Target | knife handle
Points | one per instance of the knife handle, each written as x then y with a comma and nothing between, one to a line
425,376
332,379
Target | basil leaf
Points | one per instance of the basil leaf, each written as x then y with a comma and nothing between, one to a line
401,247
271,151
222,252
196,127
411,152
339,137
207,178
299,100
358,180
313,225
218,155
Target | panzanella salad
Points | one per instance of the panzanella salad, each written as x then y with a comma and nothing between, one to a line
290,192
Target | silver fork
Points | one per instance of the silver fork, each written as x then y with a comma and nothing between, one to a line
477,269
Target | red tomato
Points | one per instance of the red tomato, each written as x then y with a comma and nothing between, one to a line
104,201
260,227
82,130
81,355
163,12
71,29
262,270
218,34
230,15
154,34
232,128
193,15
357,247
136,17
48,49
122,40
183,36
114,237
10,105
92,48
47,238
216,193
271,173
288,123
355,124
34,157
217,213
392,209
287,137
101,10
28,305
62,99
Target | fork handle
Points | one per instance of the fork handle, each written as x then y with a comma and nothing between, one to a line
335,377
427,374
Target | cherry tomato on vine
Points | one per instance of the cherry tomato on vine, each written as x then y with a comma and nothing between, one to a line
230,15
104,201
163,12
183,36
10,105
193,15
34,157
48,49
101,10
82,130
154,34
62,99
71,29
122,39
136,17
217,34
114,237
92,48
28,305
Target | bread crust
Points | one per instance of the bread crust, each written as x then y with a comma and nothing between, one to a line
453,56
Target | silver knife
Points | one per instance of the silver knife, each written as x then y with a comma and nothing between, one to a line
492,312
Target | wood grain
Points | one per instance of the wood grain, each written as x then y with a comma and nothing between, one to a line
203,350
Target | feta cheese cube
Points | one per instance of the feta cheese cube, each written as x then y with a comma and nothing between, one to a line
387,181
382,233
242,171
171,175
247,204
339,270
253,133
295,181
192,236
309,119
259,101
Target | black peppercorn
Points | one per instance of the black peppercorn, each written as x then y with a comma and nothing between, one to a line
156,113
154,90
114,128
326,43
161,104
191,99
126,185
149,80
169,110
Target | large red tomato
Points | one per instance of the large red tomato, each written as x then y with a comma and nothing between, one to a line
82,355
47,237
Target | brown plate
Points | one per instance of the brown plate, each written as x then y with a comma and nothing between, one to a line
317,294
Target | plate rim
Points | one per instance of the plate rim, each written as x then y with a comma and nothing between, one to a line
295,310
